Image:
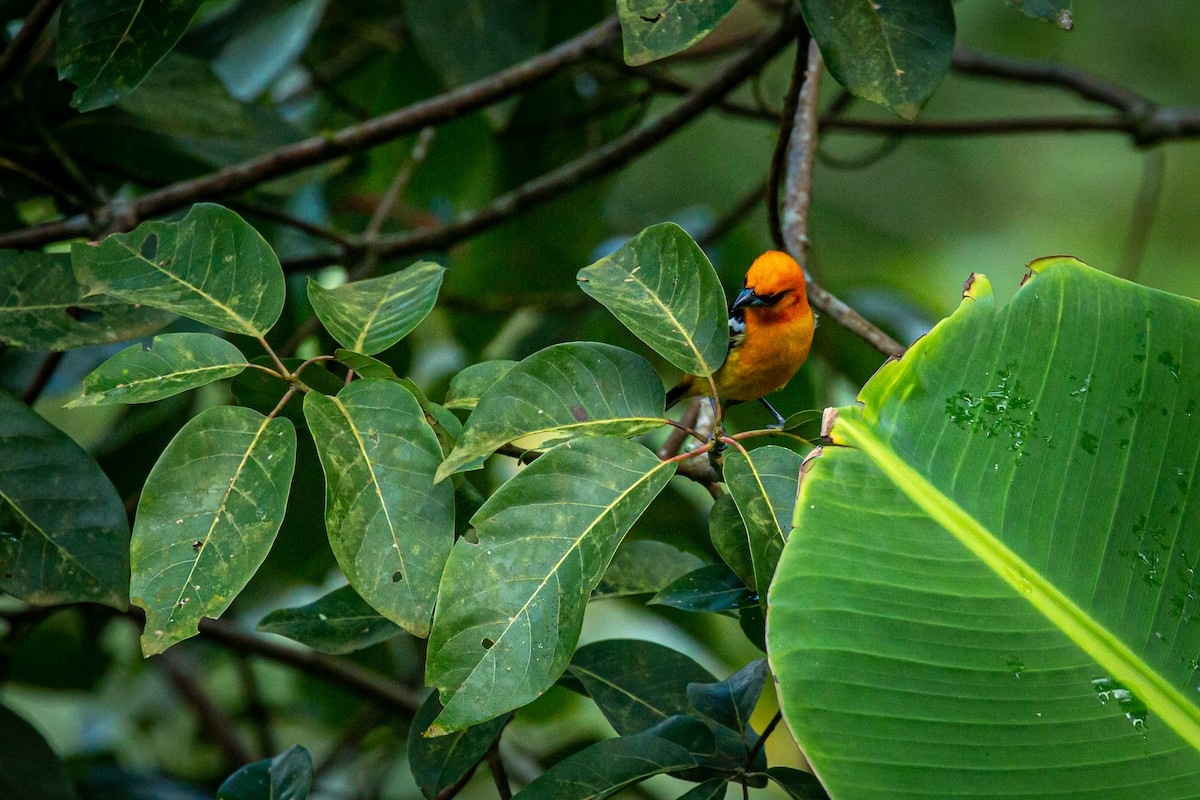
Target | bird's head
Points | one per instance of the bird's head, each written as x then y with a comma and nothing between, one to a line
774,285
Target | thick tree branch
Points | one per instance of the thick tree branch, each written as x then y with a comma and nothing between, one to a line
779,158
319,149
31,28
41,378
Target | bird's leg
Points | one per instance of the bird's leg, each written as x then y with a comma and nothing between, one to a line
779,420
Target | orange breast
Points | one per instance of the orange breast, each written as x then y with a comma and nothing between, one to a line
773,349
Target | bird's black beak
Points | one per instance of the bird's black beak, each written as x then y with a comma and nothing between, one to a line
746,297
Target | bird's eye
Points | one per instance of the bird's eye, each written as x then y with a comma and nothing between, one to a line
771,299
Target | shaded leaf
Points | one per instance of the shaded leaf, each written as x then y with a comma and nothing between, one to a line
107,47
440,761
469,385
654,29
764,488
717,750
174,363
28,767
607,767
562,392
390,527
64,537
1009,542
43,308
713,789
370,316
339,622
207,518
712,588
287,776
643,567
211,266
893,53
262,391
731,702
511,607
1056,11
798,784
268,39
729,538
663,288
802,419
445,425
364,365
636,684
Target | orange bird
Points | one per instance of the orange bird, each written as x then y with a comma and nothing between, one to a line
770,332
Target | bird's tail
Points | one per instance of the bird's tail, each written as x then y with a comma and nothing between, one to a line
681,390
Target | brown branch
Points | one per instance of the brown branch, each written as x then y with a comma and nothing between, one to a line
600,161
319,149
674,441
787,119
22,44
41,378
214,722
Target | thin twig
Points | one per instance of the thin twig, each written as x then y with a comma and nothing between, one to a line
787,119
320,149
687,423
1145,207
762,739
214,722
256,709
304,226
31,28
41,378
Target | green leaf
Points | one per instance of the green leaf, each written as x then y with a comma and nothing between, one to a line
262,391
390,527
287,776
798,784
1006,543
174,363
1056,11
654,29
557,394
663,288
643,567
63,532
714,789
894,53
731,702
365,366
441,761
340,622
107,47
606,767
28,767
729,538
511,607
764,488
370,316
469,385
43,308
210,266
712,588
207,517
637,684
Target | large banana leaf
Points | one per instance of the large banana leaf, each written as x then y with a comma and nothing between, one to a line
991,591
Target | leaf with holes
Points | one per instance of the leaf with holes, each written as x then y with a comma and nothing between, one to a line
63,533
511,607
763,486
995,577
663,288
654,29
370,316
210,266
42,307
108,47
207,518
390,527
470,384
607,767
340,622
563,392
893,53
174,363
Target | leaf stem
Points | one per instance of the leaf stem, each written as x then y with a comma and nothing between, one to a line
771,432
283,401
699,451
762,739
283,371
687,430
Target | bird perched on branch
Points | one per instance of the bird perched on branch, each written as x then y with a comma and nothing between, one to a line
770,332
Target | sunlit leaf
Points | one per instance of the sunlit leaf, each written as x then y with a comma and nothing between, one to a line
469,385
390,527
64,537
663,288
1008,542
370,316
43,308
340,622
637,684
654,29
511,607
563,392
174,363
606,767
206,519
107,47
712,588
438,762
764,487
894,53
210,266
287,776
28,766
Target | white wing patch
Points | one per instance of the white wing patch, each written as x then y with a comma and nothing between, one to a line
737,327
